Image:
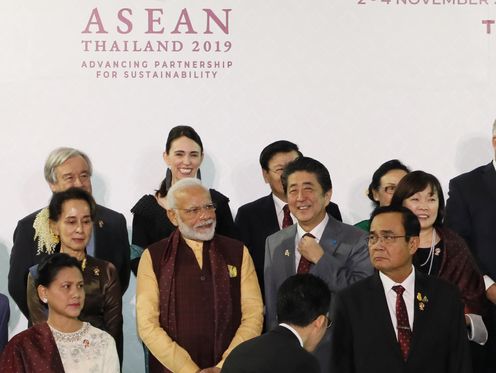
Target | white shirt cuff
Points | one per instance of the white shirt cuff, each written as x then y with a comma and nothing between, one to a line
488,281
477,331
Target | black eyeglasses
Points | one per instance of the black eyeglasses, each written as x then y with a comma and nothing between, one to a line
387,239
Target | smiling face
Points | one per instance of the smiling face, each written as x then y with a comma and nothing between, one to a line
276,166
388,183
73,226
193,213
184,158
65,294
425,205
306,199
394,257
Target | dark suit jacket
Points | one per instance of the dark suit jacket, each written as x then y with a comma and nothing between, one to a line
471,212
256,221
363,338
345,261
276,351
111,244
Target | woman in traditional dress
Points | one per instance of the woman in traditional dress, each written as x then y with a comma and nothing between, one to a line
71,215
183,156
63,343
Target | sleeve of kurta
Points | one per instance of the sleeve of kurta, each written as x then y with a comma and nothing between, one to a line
165,350
251,306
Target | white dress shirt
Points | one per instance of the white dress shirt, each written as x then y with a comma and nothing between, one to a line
408,297
279,204
294,332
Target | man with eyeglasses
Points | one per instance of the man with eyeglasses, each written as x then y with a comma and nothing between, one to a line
259,219
398,320
197,294
302,313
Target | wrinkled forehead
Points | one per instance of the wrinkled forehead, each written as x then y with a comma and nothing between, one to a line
194,195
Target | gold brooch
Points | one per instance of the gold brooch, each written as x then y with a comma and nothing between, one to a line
422,301
286,252
96,271
233,271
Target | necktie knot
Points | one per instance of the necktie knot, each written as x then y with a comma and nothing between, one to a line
309,235
399,289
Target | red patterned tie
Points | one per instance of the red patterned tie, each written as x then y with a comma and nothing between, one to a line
287,220
304,264
404,331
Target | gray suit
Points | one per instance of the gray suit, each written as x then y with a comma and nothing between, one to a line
345,261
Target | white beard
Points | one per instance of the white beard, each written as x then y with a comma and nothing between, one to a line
192,234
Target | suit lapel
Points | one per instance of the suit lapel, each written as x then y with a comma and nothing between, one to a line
331,236
288,250
270,216
489,177
382,317
421,310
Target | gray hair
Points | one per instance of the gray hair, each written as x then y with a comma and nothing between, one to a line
59,156
494,128
181,185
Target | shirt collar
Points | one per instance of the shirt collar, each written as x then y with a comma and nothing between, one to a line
408,283
494,164
279,203
294,332
317,231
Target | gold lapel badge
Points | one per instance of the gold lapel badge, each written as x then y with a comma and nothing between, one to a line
100,223
286,252
422,301
96,271
233,271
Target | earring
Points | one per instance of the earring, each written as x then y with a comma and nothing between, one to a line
44,300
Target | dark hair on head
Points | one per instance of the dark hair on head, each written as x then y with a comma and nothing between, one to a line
418,181
58,199
51,265
301,299
409,220
180,131
174,134
281,146
310,165
383,169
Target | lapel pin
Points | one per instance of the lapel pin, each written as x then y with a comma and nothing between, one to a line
100,223
96,271
422,301
286,252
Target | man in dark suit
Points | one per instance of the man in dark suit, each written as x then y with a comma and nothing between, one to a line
259,219
398,320
471,212
33,239
302,306
318,244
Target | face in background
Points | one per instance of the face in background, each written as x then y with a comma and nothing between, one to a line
425,205
65,294
74,172
392,257
306,199
276,166
184,158
193,214
387,186
73,226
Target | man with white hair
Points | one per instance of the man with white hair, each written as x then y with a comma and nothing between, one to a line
197,294
33,238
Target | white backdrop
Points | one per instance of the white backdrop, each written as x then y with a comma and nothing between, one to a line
352,84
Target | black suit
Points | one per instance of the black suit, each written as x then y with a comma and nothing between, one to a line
256,221
471,212
276,351
363,338
111,244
